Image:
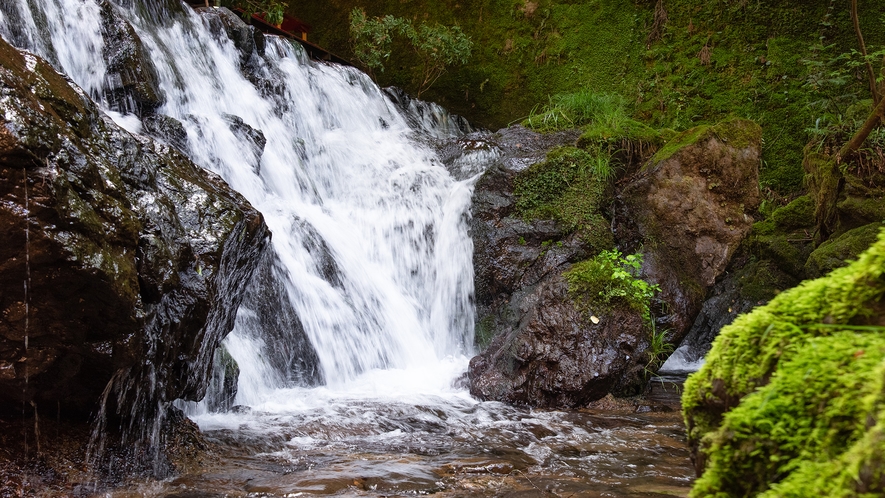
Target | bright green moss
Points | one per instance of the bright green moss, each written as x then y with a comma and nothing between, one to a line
738,133
797,214
678,142
795,336
810,413
858,472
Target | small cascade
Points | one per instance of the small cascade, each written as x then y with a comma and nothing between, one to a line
371,267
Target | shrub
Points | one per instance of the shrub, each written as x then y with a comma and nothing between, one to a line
437,46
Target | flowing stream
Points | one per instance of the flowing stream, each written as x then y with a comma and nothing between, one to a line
354,340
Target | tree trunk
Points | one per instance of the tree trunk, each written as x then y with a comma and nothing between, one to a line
874,90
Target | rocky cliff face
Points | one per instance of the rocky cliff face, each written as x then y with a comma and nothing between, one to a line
123,263
686,211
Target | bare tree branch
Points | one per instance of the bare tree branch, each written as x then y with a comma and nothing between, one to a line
874,90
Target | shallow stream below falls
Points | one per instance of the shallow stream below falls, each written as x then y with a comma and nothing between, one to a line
392,442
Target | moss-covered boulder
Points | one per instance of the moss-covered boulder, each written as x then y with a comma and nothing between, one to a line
688,210
838,251
122,263
785,238
788,402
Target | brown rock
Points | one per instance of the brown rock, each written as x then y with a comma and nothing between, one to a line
688,211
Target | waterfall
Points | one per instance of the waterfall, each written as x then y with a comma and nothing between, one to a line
371,270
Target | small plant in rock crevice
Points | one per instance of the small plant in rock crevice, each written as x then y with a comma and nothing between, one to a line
658,349
601,283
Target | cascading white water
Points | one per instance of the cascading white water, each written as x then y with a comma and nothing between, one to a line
340,164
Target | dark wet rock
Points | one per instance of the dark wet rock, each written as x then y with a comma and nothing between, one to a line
539,349
507,249
747,283
248,40
167,129
468,155
245,133
554,356
688,210
222,389
133,84
134,258
267,315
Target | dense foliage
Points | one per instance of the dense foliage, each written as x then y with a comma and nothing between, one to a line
271,10
437,46
792,66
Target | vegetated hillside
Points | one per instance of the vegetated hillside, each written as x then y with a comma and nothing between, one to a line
677,62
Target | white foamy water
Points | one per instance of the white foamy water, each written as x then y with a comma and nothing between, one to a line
342,168
682,360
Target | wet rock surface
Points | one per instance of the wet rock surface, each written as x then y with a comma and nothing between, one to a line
687,211
269,316
122,264
133,85
248,40
541,350
554,356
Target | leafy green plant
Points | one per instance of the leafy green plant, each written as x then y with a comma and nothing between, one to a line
609,279
437,46
273,10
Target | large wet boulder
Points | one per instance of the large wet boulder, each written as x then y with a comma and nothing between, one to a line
688,210
123,263
540,349
684,213
555,355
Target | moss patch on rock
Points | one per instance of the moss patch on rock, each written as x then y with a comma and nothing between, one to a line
837,251
738,133
568,187
812,354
